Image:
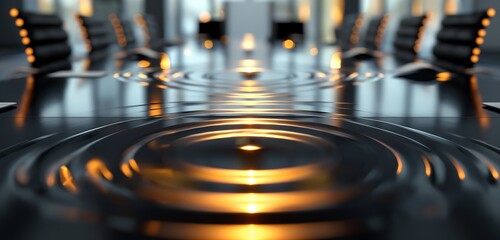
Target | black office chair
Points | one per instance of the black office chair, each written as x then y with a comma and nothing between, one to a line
151,33
349,32
459,40
408,38
372,40
95,34
457,49
46,42
124,32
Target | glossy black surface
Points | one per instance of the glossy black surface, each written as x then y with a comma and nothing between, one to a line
307,147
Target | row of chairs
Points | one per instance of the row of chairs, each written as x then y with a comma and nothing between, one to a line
47,43
457,48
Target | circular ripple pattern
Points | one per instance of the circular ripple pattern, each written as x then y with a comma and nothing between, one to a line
251,178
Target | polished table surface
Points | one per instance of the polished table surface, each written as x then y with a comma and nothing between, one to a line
297,146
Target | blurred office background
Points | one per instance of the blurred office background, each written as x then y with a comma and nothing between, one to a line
179,18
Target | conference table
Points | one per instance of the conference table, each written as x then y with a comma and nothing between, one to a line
301,144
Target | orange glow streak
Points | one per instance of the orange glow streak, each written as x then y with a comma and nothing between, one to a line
248,42
336,61
25,103
295,231
493,171
165,63
460,170
353,75
133,164
96,168
399,161
205,17
208,44
427,165
443,76
66,179
144,64
250,148
288,44
249,177
240,202
14,12
125,168
484,119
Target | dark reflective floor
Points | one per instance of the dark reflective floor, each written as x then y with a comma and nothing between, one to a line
294,145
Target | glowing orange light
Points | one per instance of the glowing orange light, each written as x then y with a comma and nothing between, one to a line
491,12
486,22
67,179
314,51
482,33
14,12
26,41
479,41
336,61
208,44
474,59
144,64
23,33
205,17
250,148
19,22
460,170
29,51
476,51
427,165
96,168
248,42
288,44
165,62
31,59
443,76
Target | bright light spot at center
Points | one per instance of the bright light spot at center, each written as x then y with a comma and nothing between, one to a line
250,148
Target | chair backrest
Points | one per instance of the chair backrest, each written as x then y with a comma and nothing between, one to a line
375,32
349,33
459,40
150,31
408,37
124,32
46,42
95,33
